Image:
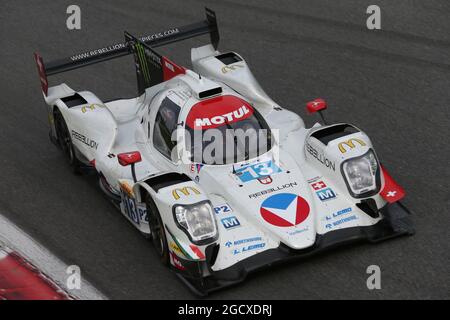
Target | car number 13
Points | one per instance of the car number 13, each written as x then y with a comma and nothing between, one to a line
257,171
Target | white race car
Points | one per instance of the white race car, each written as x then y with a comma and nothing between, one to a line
215,216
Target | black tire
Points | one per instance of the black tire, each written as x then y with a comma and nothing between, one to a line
64,141
158,234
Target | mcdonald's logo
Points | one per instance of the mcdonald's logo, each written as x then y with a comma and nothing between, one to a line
227,69
351,144
186,191
86,108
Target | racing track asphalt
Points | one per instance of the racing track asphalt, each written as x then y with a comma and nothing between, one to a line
393,83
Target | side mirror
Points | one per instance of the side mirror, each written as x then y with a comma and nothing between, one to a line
317,105
129,158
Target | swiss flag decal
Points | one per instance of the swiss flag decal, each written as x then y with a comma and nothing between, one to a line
318,185
316,105
391,192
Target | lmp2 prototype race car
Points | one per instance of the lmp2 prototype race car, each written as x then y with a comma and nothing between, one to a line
217,210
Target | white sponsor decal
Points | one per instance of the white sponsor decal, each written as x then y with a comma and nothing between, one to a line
218,120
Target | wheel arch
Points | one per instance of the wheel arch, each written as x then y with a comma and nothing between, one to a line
168,189
154,183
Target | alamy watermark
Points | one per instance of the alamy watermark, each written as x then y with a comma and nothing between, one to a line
374,280
219,146
73,281
374,20
73,22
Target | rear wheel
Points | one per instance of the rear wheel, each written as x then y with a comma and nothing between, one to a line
158,234
65,141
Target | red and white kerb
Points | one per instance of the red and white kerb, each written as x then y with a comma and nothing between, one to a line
19,280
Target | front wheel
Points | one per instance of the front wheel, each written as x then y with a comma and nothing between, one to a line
158,234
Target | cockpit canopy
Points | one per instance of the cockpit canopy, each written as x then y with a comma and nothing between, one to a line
220,130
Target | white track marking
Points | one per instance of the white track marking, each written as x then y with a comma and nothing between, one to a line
13,238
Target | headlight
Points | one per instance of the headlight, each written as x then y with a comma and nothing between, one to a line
197,220
362,175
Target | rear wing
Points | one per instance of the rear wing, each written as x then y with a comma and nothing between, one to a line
208,26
